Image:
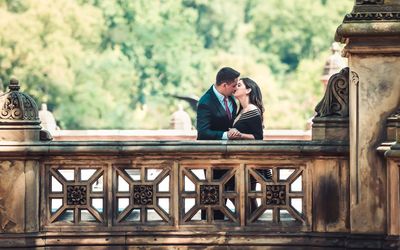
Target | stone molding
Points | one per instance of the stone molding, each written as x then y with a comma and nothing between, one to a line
369,19
208,149
372,16
362,2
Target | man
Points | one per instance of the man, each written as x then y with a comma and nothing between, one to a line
216,109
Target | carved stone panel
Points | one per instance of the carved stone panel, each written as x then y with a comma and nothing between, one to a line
276,195
209,194
12,196
142,194
76,195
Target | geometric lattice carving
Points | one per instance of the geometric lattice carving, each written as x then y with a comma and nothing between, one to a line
276,195
278,198
142,194
76,195
209,194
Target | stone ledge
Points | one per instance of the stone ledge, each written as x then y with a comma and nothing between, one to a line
116,148
168,240
393,151
366,29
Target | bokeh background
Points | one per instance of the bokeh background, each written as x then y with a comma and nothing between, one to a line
115,64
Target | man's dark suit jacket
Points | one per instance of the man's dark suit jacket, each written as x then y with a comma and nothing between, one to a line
212,120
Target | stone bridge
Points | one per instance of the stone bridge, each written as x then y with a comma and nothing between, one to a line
340,190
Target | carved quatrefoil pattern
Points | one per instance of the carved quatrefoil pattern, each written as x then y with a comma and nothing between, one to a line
276,194
209,194
76,195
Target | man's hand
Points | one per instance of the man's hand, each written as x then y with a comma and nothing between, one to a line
234,134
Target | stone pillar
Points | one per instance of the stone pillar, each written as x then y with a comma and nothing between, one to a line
371,34
19,178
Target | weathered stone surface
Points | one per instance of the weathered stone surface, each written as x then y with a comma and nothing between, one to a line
12,196
331,193
23,134
330,129
374,95
32,173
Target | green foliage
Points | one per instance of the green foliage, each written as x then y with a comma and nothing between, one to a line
116,63
300,30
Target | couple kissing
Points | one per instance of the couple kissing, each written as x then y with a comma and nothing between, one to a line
219,118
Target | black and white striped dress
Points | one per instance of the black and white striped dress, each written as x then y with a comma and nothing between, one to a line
250,123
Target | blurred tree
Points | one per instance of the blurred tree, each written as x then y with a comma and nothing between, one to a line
52,48
295,30
116,63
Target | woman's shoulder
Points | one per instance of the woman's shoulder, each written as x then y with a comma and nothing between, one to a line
252,107
252,112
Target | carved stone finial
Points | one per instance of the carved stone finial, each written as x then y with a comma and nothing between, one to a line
19,119
332,119
336,99
14,84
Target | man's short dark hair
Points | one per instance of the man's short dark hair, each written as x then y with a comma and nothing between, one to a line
227,75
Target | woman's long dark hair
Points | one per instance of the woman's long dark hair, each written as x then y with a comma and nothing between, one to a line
255,96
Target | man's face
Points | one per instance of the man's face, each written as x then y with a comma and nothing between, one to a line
230,87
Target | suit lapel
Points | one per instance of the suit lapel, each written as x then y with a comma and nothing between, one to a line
217,104
219,107
234,110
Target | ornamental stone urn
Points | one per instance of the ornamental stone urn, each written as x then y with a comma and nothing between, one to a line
19,119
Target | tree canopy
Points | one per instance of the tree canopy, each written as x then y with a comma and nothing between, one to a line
116,63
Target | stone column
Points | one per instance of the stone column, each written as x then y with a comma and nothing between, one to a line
371,33
19,178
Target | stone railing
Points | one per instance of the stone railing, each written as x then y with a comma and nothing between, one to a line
130,192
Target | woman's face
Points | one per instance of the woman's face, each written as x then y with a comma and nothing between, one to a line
241,89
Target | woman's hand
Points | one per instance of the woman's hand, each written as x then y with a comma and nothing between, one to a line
234,134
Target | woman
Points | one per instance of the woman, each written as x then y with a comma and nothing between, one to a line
249,121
